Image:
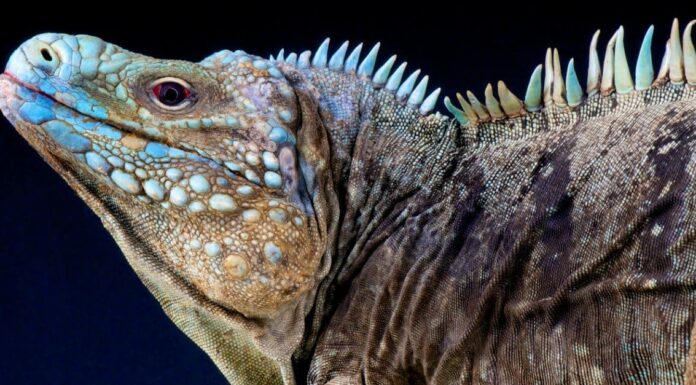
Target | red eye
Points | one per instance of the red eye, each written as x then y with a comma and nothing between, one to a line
171,93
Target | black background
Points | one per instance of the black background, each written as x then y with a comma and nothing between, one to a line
71,309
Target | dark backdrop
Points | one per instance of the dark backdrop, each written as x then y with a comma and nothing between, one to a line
71,309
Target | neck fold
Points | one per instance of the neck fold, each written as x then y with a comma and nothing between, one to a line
384,156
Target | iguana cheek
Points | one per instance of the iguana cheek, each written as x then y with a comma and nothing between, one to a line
254,259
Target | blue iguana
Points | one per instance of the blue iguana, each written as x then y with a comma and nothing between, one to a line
308,218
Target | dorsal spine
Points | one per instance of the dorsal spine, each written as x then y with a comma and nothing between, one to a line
406,92
558,97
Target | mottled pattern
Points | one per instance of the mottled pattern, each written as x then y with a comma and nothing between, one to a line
565,258
306,219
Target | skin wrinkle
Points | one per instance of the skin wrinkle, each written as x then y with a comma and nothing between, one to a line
399,247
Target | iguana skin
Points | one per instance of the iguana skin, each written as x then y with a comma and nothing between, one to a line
410,249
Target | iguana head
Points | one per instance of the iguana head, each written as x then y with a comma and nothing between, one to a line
217,178
204,155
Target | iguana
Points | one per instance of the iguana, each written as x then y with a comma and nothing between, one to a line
307,218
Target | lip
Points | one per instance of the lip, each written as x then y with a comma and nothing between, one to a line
14,79
194,156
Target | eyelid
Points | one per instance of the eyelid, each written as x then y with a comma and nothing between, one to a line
170,79
167,79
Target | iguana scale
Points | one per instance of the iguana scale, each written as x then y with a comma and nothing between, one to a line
307,218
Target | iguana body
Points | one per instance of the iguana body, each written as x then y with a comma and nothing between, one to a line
306,219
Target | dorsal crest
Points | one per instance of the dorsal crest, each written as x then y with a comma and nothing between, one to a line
553,100
411,91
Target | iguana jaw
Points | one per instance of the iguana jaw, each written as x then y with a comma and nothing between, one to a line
95,188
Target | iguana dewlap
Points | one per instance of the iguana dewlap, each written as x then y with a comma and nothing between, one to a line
307,219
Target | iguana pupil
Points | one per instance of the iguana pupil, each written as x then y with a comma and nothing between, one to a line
170,93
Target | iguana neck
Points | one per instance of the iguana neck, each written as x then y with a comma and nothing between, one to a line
384,154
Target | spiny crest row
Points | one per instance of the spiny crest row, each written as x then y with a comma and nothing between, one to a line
404,91
678,64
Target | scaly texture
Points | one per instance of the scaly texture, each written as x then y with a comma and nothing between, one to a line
307,219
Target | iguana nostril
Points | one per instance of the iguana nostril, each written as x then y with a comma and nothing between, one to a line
46,55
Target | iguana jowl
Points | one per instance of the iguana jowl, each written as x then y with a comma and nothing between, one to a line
307,219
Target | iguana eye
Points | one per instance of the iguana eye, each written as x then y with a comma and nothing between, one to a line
171,93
